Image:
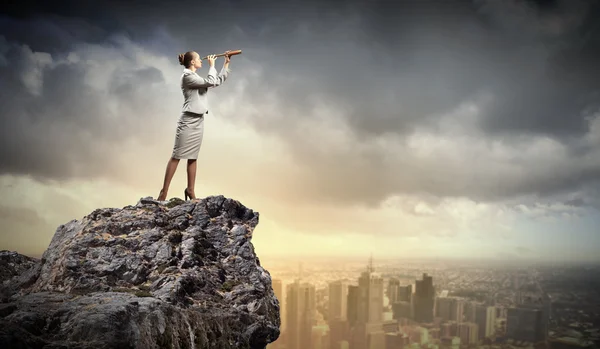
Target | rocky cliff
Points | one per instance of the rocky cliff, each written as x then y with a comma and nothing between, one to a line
151,275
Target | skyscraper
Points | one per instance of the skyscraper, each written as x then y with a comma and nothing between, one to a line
543,305
470,310
278,290
404,293
424,299
339,331
352,309
370,296
392,290
338,300
301,314
459,312
485,318
524,324
444,308
468,333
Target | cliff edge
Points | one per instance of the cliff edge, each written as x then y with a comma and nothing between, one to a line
151,275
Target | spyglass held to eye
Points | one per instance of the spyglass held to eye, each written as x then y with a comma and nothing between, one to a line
230,53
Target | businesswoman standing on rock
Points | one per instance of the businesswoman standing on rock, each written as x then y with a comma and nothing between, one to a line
190,127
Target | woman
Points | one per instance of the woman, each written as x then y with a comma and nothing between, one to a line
190,127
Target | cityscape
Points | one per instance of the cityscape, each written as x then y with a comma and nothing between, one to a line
398,304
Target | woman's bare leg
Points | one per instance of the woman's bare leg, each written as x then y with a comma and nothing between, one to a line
169,172
191,177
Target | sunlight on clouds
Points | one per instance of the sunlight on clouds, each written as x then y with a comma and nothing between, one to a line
399,216
455,216
423,209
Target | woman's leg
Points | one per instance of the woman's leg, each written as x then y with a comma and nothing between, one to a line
169,172
191,177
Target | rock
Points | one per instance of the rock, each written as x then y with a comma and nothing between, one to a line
156,274
16,271
14,264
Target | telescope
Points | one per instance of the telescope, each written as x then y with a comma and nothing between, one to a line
231,53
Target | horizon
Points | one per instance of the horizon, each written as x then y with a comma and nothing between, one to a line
491,261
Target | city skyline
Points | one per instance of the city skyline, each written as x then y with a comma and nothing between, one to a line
493,308
413,129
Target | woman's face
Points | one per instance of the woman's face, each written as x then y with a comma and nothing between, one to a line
197,62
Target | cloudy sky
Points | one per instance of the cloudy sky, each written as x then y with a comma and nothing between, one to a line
406,129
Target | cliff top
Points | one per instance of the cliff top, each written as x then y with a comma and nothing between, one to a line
185,271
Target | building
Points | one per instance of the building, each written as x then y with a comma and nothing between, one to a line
543,305
338,304
424,299
524,324
301,315
370,297
404,293
352,308
467,332
392,290
278,290
485,318
320,337
339,331
443,309
402,310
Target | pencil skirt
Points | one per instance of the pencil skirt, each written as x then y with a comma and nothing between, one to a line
188,137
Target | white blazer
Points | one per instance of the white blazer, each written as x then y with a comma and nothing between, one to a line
195,88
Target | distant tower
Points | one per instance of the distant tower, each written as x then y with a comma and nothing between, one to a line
424,299
393,290
370,299
338,300
301,314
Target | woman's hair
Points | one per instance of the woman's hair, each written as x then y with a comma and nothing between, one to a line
186,59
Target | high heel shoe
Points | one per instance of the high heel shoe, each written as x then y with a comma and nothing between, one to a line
188,195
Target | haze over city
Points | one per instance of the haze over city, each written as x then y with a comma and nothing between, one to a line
391,304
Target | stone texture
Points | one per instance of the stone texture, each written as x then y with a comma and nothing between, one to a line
152,275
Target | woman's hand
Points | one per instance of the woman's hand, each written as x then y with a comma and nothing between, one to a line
227,57
211,60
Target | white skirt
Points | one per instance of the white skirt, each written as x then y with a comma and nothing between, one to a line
188,138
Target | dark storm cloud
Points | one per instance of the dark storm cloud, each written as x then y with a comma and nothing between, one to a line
399,67
55,125
394,70
552,82
52,34
393,65
389,67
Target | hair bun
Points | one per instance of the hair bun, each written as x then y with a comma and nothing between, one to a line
180,57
